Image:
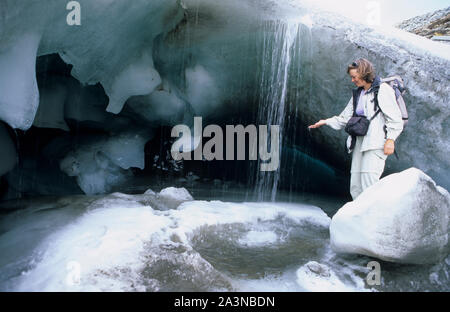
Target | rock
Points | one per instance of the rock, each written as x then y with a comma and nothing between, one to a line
175,194
168,198
428,24
318,269
402,218
149,192
316,277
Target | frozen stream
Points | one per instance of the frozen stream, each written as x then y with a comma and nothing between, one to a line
120,243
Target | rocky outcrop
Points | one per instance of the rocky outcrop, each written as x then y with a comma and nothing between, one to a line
428,25
403,218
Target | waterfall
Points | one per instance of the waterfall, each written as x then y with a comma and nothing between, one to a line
276,58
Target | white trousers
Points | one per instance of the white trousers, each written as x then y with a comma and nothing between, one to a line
367,168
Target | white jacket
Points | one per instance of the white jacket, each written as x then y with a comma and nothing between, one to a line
390,116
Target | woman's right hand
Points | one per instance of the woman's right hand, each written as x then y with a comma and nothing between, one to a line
318,124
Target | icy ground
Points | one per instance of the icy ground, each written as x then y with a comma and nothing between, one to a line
121,243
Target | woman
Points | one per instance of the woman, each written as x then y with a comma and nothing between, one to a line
370,151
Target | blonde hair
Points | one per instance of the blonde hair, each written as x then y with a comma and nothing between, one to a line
364,68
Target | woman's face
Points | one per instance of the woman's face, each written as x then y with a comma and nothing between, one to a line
356,78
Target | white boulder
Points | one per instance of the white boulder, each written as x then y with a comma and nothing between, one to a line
168,198
179,194
402,218
172,197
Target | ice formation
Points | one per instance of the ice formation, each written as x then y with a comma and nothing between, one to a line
119,243
102,162
18,87
202,91
259,238
171,59
138,78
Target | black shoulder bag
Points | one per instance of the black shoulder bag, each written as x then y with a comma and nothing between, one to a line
359,125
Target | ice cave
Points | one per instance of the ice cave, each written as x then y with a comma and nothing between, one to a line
91,198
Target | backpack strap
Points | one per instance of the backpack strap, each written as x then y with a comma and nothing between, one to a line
376,104
356,95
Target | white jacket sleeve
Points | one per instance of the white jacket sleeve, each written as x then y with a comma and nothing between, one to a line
391,111
339,122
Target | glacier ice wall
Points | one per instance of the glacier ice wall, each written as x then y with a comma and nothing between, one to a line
425,66
168,60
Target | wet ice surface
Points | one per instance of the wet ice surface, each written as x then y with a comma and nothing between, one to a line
120,243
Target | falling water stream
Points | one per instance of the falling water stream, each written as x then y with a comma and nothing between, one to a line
277,55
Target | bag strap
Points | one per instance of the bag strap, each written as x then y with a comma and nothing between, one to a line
350,148
376,104
356,95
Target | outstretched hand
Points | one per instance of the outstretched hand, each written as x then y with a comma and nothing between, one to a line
389,147
318,124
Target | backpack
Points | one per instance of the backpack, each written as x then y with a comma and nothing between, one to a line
397,83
